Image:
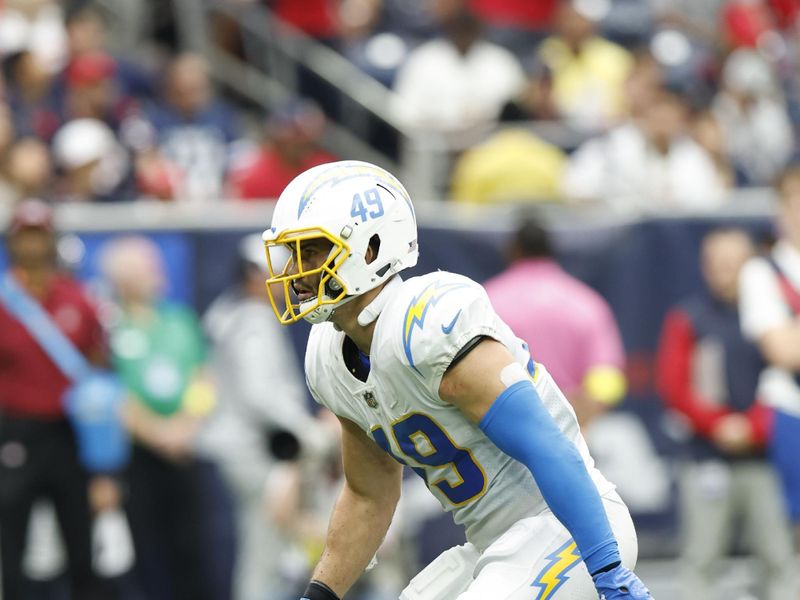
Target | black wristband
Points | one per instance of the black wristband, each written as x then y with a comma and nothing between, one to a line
317,590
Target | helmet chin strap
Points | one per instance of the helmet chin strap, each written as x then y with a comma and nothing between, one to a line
325,312
367,315
319,314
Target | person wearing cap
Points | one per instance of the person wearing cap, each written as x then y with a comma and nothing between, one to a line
261,412
88,34
290,147
93,92
38,455
95,166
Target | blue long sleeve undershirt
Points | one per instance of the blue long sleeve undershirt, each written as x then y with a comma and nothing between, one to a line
518,423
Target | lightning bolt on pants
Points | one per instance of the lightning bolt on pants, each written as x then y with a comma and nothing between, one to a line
535,559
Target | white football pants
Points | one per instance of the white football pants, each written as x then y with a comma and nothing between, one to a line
534,560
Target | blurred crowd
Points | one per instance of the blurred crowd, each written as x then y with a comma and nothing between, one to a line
80,122
661,105
647,105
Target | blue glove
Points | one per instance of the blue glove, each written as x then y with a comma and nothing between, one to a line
620,583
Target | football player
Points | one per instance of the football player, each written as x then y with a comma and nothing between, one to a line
423,373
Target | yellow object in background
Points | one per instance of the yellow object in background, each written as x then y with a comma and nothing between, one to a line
199,398
313,548
588,86
605,384
512,165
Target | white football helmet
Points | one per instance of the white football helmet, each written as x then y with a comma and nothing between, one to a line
351,204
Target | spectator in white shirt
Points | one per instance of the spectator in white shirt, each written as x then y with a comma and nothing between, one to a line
770,312
752,110
649,163
456,82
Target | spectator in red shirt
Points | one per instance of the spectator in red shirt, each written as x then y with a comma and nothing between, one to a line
523,14
708,373
291,147
316,18
786,12
38,456
743,23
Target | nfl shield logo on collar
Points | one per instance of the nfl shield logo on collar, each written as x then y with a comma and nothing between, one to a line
369,398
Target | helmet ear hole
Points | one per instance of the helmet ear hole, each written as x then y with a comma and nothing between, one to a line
375,246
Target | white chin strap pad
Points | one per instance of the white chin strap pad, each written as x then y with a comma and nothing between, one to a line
319,314
325,312
374,308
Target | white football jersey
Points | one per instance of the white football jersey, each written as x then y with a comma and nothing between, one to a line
424,324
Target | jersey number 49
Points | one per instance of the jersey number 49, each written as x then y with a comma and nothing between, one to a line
427,449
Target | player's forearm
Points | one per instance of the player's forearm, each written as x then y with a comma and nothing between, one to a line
357,528
519,424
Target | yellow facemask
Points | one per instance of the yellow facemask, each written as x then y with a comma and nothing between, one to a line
293,270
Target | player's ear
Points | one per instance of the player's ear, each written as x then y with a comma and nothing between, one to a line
373,248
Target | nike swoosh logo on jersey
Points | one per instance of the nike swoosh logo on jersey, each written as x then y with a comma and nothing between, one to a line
446,329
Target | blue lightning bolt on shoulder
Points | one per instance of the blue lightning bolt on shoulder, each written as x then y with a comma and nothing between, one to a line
418,309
